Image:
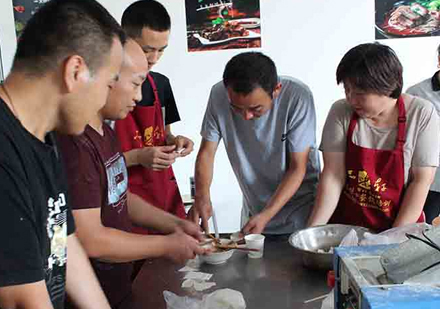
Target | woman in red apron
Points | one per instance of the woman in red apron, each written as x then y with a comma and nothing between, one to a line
374,185
144,127
366,186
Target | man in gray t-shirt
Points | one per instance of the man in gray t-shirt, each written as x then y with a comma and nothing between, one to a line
268,126
429,89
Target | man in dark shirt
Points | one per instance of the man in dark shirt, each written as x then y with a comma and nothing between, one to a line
102,206
68,56
145,135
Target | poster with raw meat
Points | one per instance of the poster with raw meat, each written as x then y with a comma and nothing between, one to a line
23,10
222,24
404,19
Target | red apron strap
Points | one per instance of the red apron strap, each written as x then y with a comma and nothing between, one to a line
401,124
157,102
351,127
155,91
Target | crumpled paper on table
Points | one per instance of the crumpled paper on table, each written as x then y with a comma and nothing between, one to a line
198,285
220,299
195,275
193,279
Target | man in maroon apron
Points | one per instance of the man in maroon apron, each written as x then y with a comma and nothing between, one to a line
378,158
145,135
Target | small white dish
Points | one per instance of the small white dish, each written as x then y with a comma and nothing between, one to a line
248,23
219,257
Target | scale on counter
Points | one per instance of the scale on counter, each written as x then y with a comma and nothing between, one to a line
389,276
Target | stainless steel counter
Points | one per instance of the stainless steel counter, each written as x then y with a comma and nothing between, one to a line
278,280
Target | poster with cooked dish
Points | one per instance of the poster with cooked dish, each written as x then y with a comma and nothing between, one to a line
403,19
23,10
222,24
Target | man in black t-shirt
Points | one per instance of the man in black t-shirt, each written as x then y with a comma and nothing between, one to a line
59,80
149,146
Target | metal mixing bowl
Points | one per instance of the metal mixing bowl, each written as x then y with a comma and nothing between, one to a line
308,241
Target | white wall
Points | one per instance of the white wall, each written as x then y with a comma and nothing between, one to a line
7,34
305,38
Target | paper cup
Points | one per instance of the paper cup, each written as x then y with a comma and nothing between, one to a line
255,241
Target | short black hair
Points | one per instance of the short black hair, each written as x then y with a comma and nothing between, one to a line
145,14
62,28
373,68
248,71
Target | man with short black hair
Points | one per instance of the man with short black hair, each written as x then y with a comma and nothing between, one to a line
429,89
145,135
103,208
67,58
268,124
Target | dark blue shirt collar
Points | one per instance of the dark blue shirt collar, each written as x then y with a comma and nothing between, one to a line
435,82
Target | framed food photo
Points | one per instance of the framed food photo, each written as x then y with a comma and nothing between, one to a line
407,19
223,24
23,10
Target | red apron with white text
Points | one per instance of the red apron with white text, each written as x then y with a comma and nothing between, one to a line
144,127
374,186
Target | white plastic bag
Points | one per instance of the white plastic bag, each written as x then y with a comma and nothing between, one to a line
220,299
351,239
329,301
180,302
395,235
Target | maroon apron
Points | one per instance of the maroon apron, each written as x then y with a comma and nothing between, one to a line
144,127
374,186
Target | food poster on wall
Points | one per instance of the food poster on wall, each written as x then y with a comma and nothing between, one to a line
223,24
23,10
404,19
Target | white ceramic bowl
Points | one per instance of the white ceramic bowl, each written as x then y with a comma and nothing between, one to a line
216,258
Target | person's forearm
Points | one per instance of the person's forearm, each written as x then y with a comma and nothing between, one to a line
203,174
144,214
329,191
27,296
81,284
131,157
113,245
169,137
286,189
412,204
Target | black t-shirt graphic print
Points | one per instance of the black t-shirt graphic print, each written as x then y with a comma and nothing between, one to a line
34,216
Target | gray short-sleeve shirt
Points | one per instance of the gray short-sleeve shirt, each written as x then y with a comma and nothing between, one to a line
429,89
259,149
422,142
